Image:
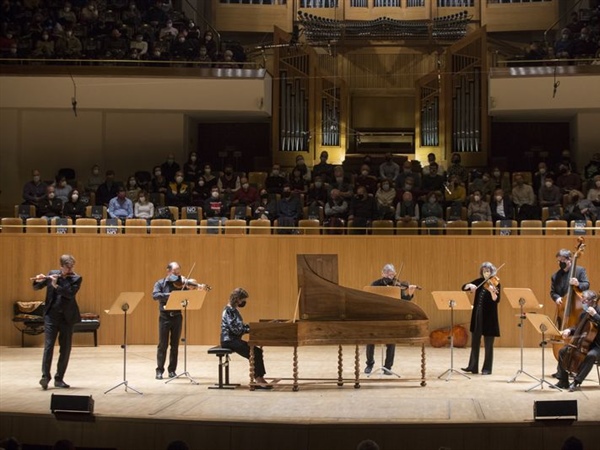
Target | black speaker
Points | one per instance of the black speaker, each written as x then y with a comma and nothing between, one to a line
83,404
555,409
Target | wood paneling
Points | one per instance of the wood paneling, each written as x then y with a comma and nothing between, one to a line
266,267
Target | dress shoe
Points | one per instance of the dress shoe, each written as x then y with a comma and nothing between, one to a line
44,383
574,386
61,384
563,384
466,369
265,387
368,369
159,375
486,372
172,374
555,375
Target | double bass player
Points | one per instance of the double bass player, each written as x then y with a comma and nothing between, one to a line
584,349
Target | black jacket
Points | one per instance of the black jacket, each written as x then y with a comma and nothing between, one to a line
61,298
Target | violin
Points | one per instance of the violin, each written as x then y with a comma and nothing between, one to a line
404,284
183,283
491,284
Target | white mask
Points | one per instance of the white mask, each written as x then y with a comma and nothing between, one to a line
179,180
548,184
476,198
498,198
51,195
214,194
75,197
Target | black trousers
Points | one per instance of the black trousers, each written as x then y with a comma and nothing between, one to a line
169,333
55,326
242,348
390,352
488,343
585,367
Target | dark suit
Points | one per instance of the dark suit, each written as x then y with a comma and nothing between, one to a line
61,313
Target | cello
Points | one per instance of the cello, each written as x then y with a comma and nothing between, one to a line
583,337
567,313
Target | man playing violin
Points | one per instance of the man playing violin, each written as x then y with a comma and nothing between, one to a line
61,313
169,321
484,317
388,278
589,301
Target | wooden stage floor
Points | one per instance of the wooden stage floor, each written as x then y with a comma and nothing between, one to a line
488,401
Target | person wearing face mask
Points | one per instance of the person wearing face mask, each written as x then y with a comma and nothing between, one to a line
593,194
408,173
501,206
567,180
388,168
431,159
589,300
209,178
336,208
341,183
592,168
247,195
484,318
143,208
432,209
366,180
275,180
501,180
50,206
560,280
181,48
549,194
200,192
159,183
68,45
363,210
266,208
539,177
323,169
303,168
120,207
74,208
214,208
191,169
34,191
317,194
457,194
44,48
179,193
433,181
478,209
457,169
132,188
563,48
233,329
297,183
169,168
66,16
62,189
289,210
584,47
407,209
386,199
229,182
580,208
524,199
94,180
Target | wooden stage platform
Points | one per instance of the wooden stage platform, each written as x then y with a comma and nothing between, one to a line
483,412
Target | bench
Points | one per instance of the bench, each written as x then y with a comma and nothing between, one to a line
29,320
223,355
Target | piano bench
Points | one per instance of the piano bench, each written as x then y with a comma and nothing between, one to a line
223,355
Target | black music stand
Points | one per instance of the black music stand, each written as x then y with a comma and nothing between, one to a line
451,300
544,325
125,303
393,292
185,299
521,299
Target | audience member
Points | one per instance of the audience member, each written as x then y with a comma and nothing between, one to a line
584,47
386,199
94,180
336,207
62,189
501,206
549,194
179,193
539,177
457,193
210,179
229,182
168,32
433,181
275,180
303,168
182,48
524,199
366,180
203,57
209,43
363,210
34,191
408,173
407,209
289,209
139,46
169,168
567,180
500,180
478,209
323,169
132,17
456,168
580,208
594,192
108,189
592,168
431,158
159,183
563,48
266,208
68,45
44,47
432,208
247,195
317,194
214,207
74,208
200,192
116,45
132,188
143,208
341,183
191,169
298,184
120,207
389,169
49,206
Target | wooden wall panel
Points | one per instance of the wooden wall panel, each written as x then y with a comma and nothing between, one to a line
266,267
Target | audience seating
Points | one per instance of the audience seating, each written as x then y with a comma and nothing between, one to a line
463,212
579,231
507,231
105,229
157,198
161,226
546,213
531,227
437,229
24,211
186,223
139,226
556,227
527,178
36,225
186,214
88,211
482,227
382,227
12,225
407,228
174,212
58,229
321,215
235,226
260,226
309,226
247,213
210,230
257,179
457,227
86,225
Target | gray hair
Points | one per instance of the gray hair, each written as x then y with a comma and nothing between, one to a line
564,253
388,268
487,265
589,295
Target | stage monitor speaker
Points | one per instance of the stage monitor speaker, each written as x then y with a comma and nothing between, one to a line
82,404
555,409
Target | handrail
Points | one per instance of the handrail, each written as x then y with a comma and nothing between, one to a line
8,62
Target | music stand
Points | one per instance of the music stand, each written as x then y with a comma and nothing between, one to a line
185,299
544,325
393,292
451,300
521,299
125,303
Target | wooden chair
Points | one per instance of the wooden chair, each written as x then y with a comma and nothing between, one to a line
463,212
88,211
186,223
527,177
12,225
235,226
185,214
24,211
321,214
216,229
309,226
546,213
157,198
575,230
531,227
247,213
382,227
556,227
260,226
36,225
174,212
104,228
86,225
57,229
457,227
429,229
506,231
138,226
407,228
161,226
257,179
482,227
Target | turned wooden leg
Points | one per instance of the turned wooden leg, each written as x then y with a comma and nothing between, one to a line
295,370
356,367
251,364
340,366
423,363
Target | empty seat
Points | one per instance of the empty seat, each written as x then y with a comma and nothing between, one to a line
556,227
235,226
482,227
174,212
137,226
24,211
531,227
86,225
161,226
189,223
452,215
577,227
385,227
407,228
260,226
257,179
314,212
191,212
506,227
12,225
36,225
212,229
551,213
309,226
61,225
97,212
110,226
240,212
457,227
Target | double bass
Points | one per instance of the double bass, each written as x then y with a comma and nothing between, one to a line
567,313
582,339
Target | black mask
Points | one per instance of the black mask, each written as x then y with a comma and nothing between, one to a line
563,265
242,304
285,194
264,196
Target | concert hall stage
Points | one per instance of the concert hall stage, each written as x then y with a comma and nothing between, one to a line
484,412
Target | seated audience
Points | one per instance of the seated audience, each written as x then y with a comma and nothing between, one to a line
191,169
457,169
201,192
567,180
229,182
363,209
34,191
132,188
210,179
120,207
179,193
169,168
44,47
592,168
432,208
386,199
317,194
407,209
323,169
214,207
389,169
366,180
74,208
500,180
159,183
297,183
407,173
563,48
266,208
580,208
275,180
550,194
501,206
539,177
524,200
303,168
289,209
247,195
68,45
62,189
342,183
336,207
433,181
594,192
107,190
478,209
457,193
94,180
143,207
50,206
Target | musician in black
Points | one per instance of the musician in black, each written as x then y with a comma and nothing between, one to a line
388,278
61,313
560,280
232,330
484,317
590,315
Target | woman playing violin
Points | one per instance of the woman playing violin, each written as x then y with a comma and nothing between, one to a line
589,300
484,317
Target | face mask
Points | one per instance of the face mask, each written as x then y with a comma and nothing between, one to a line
318,185
242,304
432,200
548,184
285,194
496,174
498,198
245,186
408,187
562,265
193,159
51,195
476,198
486,179
542,171
179,180
201,183
170,161
323,159
95,172
173,277
62,184
214,194
132,183
36,179
158,173
386,187
365,173
142,199
207,171
339,179
275,172
598,184
75,197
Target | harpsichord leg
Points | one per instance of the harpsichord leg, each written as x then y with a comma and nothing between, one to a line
356,368
251,365
340,366
295,370
423,363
